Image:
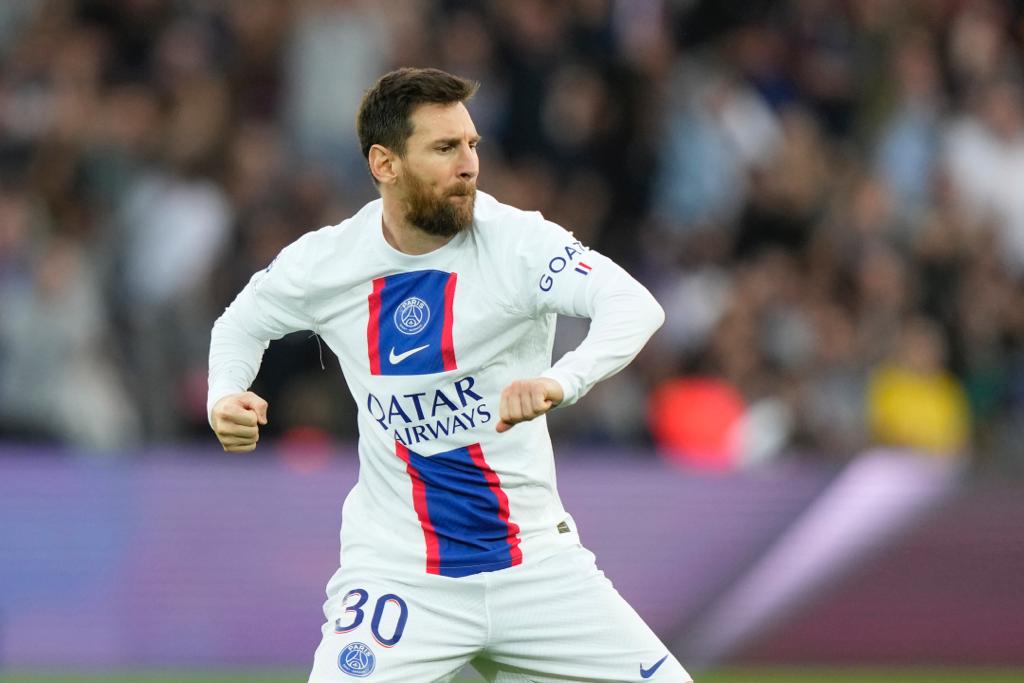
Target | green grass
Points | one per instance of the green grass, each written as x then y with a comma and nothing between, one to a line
861,675
149,677
168,677
732,675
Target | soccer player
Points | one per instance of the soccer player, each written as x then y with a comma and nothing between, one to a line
440,303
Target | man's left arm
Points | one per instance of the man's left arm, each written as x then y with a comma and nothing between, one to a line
576,281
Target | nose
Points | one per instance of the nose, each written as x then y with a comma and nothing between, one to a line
469,164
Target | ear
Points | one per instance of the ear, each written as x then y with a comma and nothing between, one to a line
384,164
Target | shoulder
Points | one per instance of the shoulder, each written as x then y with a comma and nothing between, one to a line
524,249
332,242
510,227
341,235
489,211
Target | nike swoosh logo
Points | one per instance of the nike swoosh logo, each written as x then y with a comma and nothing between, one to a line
647,673
398,358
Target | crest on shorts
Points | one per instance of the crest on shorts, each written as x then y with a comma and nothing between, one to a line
357,660
412,315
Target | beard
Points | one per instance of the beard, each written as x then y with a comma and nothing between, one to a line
438,215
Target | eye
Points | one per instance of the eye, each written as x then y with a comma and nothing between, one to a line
445,148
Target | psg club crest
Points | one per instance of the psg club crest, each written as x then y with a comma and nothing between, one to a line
357,660
410,318
412,315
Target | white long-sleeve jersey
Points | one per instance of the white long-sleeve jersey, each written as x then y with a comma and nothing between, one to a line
426,344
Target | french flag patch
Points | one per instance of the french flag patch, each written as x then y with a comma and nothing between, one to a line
583,269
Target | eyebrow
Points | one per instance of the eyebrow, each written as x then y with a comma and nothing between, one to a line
455,141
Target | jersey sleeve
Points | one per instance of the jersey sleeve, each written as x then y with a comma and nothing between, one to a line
273,304
565,277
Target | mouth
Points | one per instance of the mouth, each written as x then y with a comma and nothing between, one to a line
462,191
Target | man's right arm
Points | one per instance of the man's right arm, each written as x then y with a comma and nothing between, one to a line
235,356
273,304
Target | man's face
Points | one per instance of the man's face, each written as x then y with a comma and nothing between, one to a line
437,181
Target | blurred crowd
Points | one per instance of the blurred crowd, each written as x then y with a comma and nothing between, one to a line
826,196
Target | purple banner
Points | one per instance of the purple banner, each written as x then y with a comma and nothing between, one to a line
195,558
948,593
189,557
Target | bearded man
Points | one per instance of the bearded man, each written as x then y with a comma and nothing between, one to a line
440,303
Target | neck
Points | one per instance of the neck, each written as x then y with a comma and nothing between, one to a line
406,237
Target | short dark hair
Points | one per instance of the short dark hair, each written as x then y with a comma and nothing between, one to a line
383,117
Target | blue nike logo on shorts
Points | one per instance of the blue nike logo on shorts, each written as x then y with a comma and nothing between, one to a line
647,673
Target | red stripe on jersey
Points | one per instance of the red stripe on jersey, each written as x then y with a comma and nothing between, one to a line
494,483
419,503
373,326
447,343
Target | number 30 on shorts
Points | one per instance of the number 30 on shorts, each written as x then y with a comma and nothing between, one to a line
355,615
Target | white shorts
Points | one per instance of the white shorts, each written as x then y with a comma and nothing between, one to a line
556,620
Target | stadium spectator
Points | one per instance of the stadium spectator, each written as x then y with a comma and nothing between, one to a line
794,180
912,401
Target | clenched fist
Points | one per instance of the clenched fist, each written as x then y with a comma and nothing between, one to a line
526,399
236,419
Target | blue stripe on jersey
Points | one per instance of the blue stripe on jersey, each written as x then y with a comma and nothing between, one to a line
411,323
465,513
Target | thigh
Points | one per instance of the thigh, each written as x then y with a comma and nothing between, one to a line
389,629
563,620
